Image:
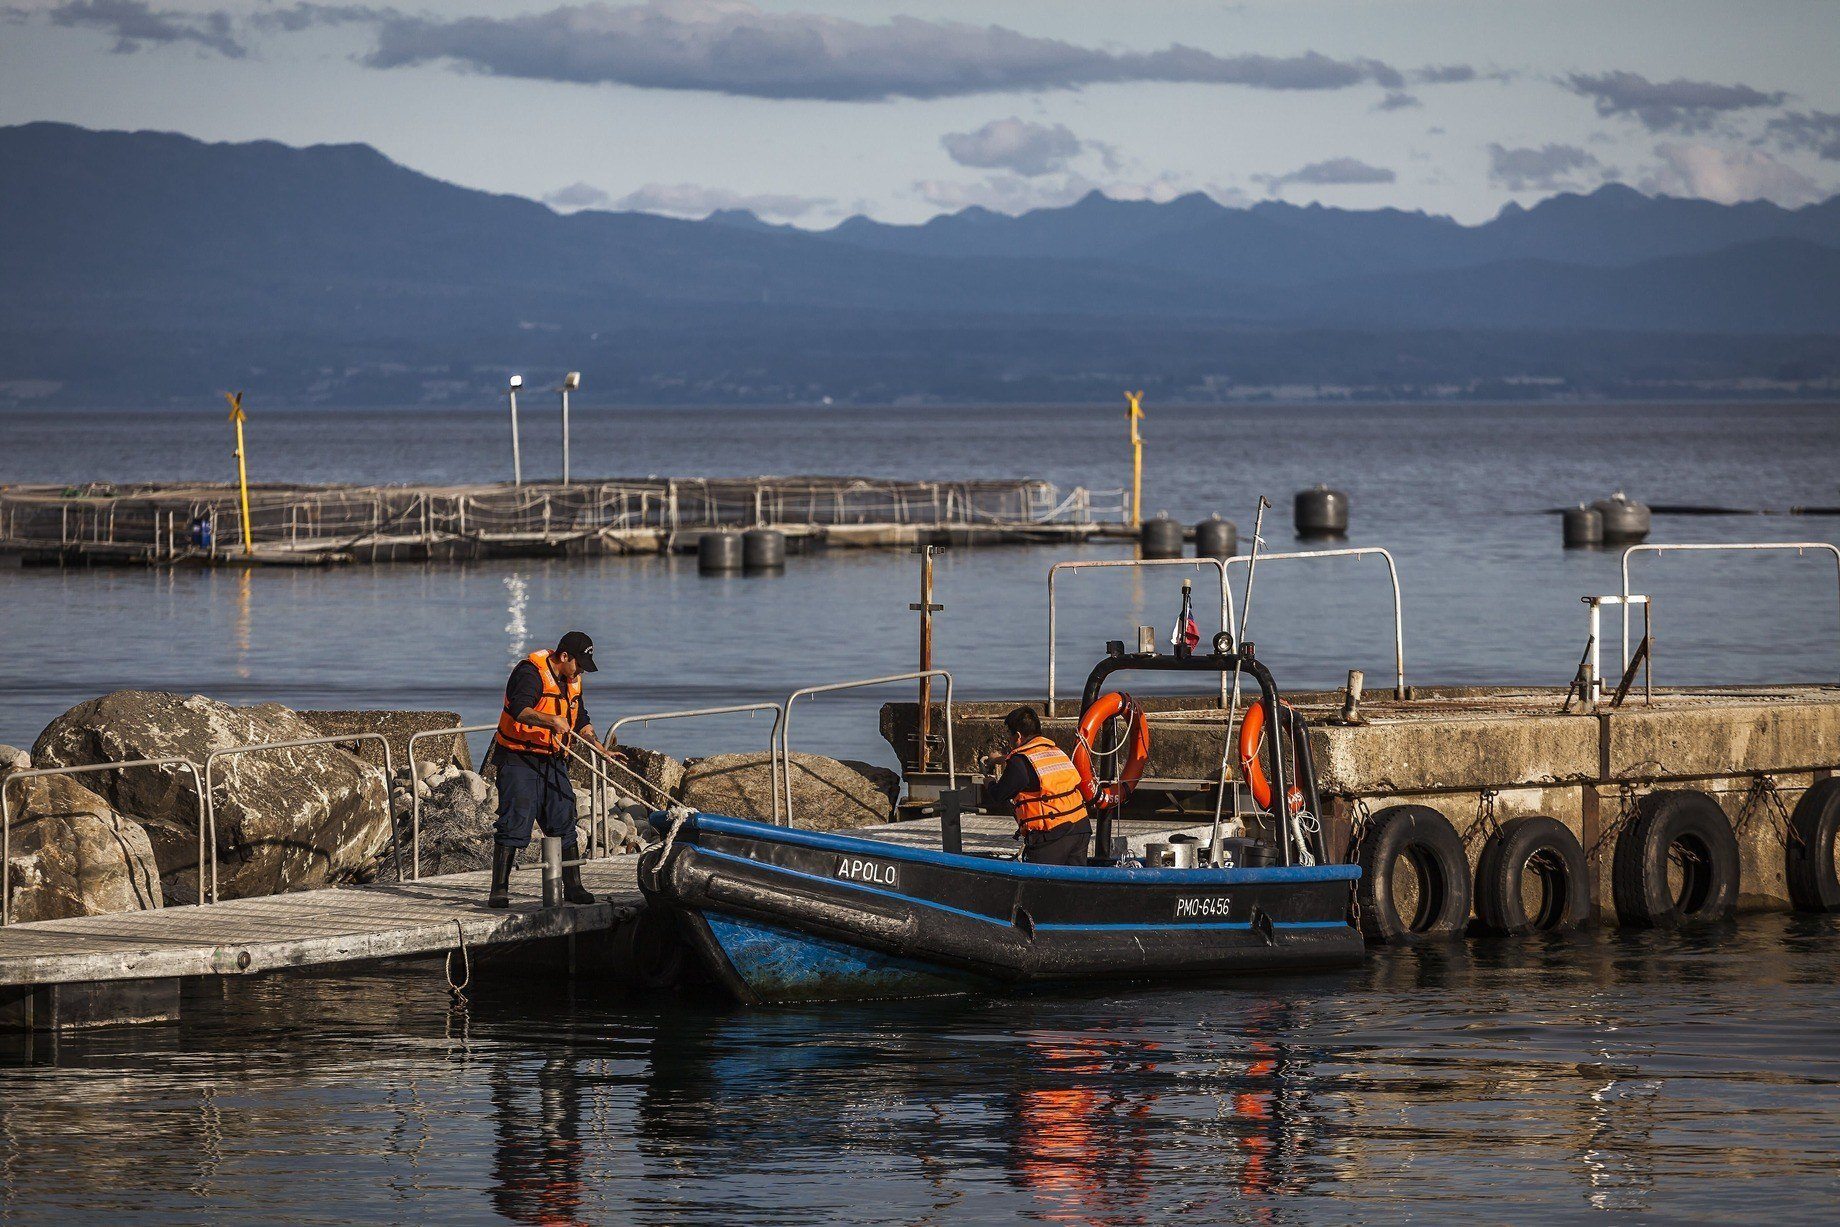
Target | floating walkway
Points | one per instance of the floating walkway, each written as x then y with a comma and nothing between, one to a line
142,524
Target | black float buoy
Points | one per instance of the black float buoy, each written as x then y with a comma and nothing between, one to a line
718,552
763,549
1160,538
1584,525
1626,522
1216,538
1321,512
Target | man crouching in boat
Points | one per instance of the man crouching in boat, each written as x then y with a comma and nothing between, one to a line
543,714
1044,786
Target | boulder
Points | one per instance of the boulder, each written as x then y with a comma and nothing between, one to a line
653,777
827,795
397,727
888,782
295,819
74,856
14,759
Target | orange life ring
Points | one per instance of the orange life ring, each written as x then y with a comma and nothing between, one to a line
1251,734
1136,754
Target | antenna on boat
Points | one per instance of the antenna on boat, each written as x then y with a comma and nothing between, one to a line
1226,749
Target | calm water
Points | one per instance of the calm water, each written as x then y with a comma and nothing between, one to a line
1679,1077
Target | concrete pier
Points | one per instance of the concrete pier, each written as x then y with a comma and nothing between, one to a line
1482,755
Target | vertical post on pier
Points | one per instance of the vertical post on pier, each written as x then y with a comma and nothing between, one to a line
517,455
242,467
569,383
926,609
1137,459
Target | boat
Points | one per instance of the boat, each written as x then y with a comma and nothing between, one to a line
778,914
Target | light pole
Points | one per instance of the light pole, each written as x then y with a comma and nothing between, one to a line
570,382
517,455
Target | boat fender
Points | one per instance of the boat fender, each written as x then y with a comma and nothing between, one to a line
1555,857
1814,881
654,950
1252,765
1412,839
1112,795
1682,828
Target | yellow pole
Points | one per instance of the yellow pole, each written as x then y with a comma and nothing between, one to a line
242,468
1137,459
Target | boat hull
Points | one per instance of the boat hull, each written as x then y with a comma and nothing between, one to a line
786,915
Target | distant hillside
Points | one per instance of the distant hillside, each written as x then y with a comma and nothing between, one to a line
145,267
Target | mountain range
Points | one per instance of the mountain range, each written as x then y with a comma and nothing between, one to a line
149,267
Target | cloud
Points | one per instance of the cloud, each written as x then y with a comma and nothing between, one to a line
134,24
1014,144
1815,131
1679,105
577,196
1445,74
1397,100
1727,175
735,47
691,200
1544,169
1334,172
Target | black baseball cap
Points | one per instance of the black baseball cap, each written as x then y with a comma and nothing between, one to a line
581,648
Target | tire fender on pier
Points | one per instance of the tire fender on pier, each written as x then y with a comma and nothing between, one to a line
1415,880
1814,881
1544,847
1676,862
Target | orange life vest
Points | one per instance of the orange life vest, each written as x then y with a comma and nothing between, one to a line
1058,799
534,738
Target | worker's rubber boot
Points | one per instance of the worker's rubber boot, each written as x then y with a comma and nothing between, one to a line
503,858
572,889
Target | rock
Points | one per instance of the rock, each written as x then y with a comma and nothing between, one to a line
294,819
658,776
888,782
74,856
826,794
424,768
476,786
14,759
396,727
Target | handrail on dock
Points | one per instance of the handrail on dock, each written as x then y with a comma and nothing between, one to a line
211,759
785,728
1705,546
773,747
1392,570
415,788
1227,618
206,820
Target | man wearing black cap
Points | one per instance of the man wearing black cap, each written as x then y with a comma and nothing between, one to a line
543,714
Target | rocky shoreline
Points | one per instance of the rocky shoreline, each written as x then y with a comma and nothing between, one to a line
310,817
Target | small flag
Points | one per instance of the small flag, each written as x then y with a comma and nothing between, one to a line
1186,634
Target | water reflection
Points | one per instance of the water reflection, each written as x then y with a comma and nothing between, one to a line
537,1153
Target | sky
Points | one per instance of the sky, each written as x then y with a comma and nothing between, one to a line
808,111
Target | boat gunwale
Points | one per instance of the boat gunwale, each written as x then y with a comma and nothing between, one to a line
748,828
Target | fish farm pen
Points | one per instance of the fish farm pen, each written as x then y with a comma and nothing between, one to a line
101,523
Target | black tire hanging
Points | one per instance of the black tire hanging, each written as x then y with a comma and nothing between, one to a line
1814,880
1676,862
1543,847
1418,841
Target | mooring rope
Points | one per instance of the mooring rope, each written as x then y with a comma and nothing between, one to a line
457,989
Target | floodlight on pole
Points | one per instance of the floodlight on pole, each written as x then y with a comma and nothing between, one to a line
517,455
570,382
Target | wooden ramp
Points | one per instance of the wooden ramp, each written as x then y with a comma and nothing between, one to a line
310,928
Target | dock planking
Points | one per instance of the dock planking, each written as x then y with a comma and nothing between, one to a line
309,928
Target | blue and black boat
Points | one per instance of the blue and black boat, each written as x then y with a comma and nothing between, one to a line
779,914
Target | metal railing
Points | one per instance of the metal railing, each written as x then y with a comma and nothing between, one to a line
1392,571
773,744
785,728
206,821
1594,681
415,788
1707,546
211,760
1096,564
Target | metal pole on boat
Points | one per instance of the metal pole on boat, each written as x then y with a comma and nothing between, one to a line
926,609
1239,643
